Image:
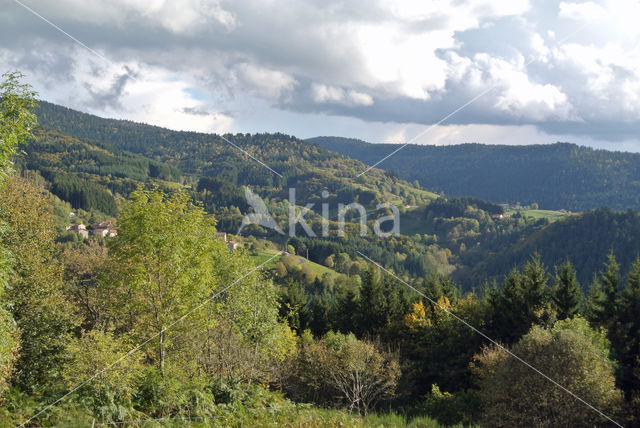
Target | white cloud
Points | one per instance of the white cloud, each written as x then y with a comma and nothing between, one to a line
271,83
156,96
329,94
324,93
519,96
587,11
360,98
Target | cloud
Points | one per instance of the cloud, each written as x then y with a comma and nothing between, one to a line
270,83
409,62
330,94
587,11
519,96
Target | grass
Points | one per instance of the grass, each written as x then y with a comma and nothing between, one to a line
282,413
305,416
265,254
551,215
421,192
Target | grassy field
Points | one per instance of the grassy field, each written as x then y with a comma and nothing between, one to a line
265,254
551,215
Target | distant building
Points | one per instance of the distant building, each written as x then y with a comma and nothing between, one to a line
104,225
221,235
106,229
233,245
80,229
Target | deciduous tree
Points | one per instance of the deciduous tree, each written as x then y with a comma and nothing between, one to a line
571,354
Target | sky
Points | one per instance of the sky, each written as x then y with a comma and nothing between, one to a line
512,71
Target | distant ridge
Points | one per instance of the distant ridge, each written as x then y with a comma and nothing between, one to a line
556,176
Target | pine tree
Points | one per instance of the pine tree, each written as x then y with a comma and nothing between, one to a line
372,305
521,302
611,280
567,296
510,319
626,330
534,276
594,308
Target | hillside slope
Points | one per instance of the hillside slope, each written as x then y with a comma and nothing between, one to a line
585,239
294,162
93,162
556,176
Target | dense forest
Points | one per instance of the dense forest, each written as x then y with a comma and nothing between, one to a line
455,321
457,236
555,176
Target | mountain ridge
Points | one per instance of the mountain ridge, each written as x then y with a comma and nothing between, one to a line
555,176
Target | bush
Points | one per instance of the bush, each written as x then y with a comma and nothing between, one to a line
450,409
342,370
109,394
571,354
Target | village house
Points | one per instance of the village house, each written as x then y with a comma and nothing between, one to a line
222,235
233,245
80,229
106,229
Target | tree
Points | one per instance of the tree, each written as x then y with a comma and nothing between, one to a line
329,261
17,120
567,296
625,331
611,281
594,309
535,279
340,369
571,354
371,314
294,305
91,353
163,260
17,101
522,301
437,348
36,290
84,266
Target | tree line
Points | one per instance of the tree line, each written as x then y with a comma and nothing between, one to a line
555,176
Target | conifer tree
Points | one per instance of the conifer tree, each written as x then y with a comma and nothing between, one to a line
595,303
567,296
626,330
611,280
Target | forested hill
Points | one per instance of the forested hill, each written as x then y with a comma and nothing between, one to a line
584,239
298,163
88,162
556,176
